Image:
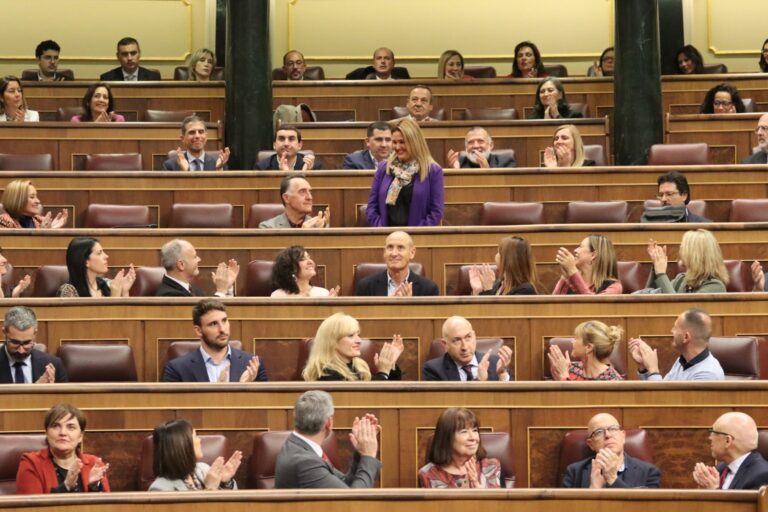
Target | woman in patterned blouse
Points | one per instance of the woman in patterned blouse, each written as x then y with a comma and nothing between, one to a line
592,347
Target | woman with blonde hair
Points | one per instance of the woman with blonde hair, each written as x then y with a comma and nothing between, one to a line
451,66
592,269
515,267
593,343
567,149
700,254
407,188
23,208
335,353
201,64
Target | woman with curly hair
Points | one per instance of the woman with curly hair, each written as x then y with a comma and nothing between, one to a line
292,272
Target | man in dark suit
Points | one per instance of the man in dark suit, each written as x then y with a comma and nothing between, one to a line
20,363
673,191
397,280
47,56
478,147
129,55
383,68
180,260
461,362
611,467
302,463
215,360
761,157
287,144
378,141
733,442
191,155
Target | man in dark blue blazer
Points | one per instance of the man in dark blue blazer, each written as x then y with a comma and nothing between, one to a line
611,467
20,363
215,360
287,143
461,362
129,55
191,155
378,141
478,153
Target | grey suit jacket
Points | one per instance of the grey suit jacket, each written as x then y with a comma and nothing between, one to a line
164,484
281,221
761,157
298,466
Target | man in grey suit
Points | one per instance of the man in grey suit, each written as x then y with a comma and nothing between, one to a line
378,142
761,157
191,155
302,463
20,363
296,195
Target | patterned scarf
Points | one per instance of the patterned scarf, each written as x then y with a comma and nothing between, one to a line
403,173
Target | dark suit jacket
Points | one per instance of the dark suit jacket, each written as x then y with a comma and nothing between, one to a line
637,473
272,164
398,73
209,163
359,160
40,360
298,466
760,157
376,286
116,75
170,288
444,368
752,473
495,161
191,368
692,217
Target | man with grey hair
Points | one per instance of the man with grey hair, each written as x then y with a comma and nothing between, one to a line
761,156
733,442
478,146
180,260
302,463
191,155
20,363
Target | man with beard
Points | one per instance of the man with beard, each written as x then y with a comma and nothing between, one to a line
287,144
294,65
378,141
761,157
180,260
215,360
20,363
478,146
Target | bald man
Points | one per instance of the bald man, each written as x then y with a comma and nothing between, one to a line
733,441
611,467
761,157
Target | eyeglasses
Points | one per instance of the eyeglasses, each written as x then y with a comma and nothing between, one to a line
762,128
662,195
713,431
722,103
599,433
17,343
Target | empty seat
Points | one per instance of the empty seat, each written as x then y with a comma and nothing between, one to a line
740,276
742,357
557,70
500,214
34,162
212,446
310,73
633,275
618,357
147,282
48,279
266,446
214,215
489,114
602,212
12,447
363,270
497,445
679,154
438,114
182,73
117,216
749,105
67,113
93,362
749,210
595,152
462,280
258,279
581,108
166,116
114,162
263,211
480,71
715,69
361,221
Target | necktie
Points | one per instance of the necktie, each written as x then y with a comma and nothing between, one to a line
198,165
468,371
326,459
724,475
18,372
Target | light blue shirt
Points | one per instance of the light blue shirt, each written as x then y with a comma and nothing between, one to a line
214,370
200,161
392,285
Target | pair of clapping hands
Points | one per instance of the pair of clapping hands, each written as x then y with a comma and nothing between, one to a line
184,164
120,285
249,374
222,472
98,471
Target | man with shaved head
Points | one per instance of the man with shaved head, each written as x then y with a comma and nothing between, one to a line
180,260
611,467
733,441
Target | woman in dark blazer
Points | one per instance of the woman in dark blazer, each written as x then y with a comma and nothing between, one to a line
550,102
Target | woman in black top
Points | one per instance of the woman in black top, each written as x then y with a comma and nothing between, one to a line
551,102
516,269
689,61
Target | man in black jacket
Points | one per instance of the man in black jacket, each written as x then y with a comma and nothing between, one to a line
180,260
20,362
129,55
674,190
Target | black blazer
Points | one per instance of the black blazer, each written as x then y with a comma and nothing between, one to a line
760,157
637,473
359,160
752,473
40,360
444,368
272,164
170,288
116,75
398,73
376,286
523,289
495,161
191,368
395,374
692,217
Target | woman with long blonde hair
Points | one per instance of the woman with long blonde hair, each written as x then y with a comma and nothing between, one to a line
700,254
567,149
592,269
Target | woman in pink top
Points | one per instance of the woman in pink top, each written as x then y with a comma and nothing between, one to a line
591,269
98,106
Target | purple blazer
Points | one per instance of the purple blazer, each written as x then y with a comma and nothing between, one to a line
427,200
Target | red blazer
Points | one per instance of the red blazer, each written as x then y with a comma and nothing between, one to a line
37,475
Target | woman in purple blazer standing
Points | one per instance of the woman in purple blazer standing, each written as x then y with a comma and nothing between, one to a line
407,189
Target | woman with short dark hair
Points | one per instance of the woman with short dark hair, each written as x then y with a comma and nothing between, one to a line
292,272
527,61
688,61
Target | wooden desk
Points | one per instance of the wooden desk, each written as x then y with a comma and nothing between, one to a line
731,137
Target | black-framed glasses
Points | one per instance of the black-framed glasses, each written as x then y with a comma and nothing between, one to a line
599,433
713,431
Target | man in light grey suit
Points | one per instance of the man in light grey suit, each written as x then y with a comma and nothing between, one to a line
296,195
302,463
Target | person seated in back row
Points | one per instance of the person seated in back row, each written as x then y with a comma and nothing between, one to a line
287,144
191,155
129,55
478,146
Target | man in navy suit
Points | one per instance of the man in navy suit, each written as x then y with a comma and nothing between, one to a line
20,363
215,360
733,441
191,155
287,143
478,146
129,55
611,467
378,143
461,361
181,263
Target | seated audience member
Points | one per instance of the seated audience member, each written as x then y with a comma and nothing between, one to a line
23,208
674,191
567,149
451,66
19,288
478,146
296,195
419,104
216,360
191,155
98,106
335,354
689,61
591,269
129,56
604,65
294,65
287,144
527,63
61,466
292,272
47,56
461,361
551,103
302,463
88,264
763,62
690,338
733,443
176,461
200,65
18,352
611,467
722,99
180,260
397,280
456,457
758,277
13,105
593,343
407,190
378,142
700,255
761,157
515,267
383,68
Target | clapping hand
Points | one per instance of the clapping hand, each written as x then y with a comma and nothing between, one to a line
363,436
229,469
646,357
47,222
98,471
386,360
70,481
404,289
321,220
214,476
48,376
608,462
559,363
24,283
758,277
567,261
658,254
550,160
225,275
251,372
122,282
505,357
309,162
453,159
103,117
181,159
223,159
334,292
472,481
481,278
706,477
